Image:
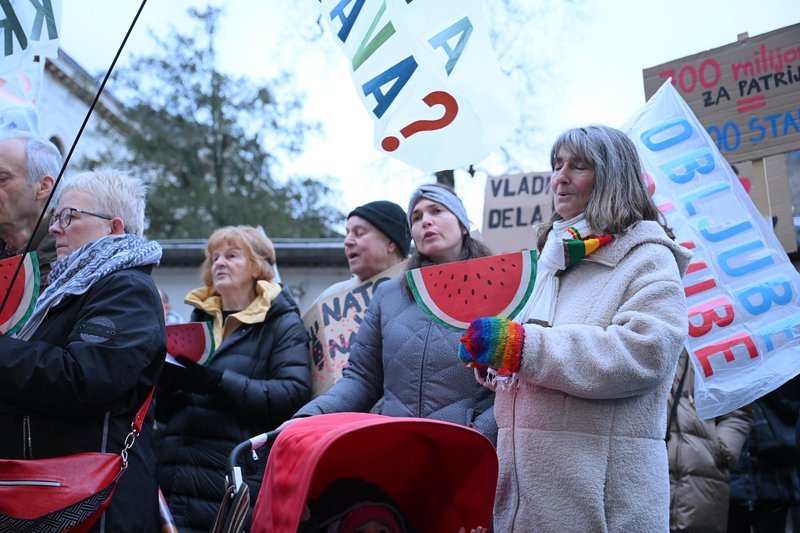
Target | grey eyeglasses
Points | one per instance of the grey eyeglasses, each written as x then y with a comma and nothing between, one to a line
64,217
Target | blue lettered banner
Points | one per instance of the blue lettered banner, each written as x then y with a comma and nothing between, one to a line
427,75
741,288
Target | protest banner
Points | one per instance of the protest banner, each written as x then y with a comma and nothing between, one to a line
456,293
744,317
333,321
426,72
19,94
746,93
512,203
28,28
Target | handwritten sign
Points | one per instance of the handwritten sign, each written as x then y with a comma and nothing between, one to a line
333,321
426,72
28,28
741,288
512,204
745,93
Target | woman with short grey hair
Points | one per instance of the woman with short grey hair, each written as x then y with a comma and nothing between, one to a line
74,376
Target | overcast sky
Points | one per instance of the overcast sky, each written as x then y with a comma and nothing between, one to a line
596,62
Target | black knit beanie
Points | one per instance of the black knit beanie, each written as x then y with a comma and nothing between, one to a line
390,219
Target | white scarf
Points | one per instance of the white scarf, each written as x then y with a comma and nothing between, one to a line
78,271
541,305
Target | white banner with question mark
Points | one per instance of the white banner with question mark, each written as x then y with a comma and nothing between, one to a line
426,72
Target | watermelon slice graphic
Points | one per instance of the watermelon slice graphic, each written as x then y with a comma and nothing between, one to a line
22,295
194,340
454,294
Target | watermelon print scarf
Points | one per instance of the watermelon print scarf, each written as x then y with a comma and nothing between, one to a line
569,242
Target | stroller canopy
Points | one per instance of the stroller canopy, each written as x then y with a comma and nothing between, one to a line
443,476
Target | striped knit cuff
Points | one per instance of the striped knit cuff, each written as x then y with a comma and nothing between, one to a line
508,353
495,342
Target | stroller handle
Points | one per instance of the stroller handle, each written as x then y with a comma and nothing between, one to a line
250,445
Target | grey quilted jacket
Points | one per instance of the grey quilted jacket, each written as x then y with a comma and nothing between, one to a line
403,356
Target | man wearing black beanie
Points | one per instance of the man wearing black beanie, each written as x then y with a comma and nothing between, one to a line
377,238
376,245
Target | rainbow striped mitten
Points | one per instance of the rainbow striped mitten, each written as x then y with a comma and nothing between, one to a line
493,342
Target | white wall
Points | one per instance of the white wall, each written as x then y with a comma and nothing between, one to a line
61,114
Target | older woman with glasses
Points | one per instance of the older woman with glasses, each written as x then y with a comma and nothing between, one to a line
75,375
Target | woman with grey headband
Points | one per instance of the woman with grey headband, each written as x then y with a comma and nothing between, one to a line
402,355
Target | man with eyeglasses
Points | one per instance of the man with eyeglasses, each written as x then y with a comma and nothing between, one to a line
28,166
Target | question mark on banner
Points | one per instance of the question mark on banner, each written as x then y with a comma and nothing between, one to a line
391,143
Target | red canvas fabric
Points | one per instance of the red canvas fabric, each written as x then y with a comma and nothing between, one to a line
443,476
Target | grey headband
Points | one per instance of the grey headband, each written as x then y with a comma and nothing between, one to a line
441,195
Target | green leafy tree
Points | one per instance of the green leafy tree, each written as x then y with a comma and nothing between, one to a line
208,143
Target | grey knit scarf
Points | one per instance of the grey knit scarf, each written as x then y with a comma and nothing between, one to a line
78,271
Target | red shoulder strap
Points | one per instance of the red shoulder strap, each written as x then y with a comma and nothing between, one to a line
138,420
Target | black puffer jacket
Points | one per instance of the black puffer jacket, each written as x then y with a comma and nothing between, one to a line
79,381
266,379
767,476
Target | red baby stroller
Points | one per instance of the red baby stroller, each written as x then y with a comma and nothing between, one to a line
442,476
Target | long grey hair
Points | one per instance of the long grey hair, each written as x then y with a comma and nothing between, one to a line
620,198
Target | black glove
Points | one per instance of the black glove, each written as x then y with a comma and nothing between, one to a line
193,378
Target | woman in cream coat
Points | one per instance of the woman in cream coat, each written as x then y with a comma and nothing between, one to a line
580,391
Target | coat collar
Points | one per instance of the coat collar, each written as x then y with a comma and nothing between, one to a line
646,231
209,301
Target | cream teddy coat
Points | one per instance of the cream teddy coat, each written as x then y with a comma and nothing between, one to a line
581,435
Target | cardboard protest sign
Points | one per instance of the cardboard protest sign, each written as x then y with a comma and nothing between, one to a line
744,93
741,288
28,28
19,94
454,294
426,72
512,204
333,321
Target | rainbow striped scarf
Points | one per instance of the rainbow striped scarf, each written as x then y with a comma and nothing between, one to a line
576,248
565,247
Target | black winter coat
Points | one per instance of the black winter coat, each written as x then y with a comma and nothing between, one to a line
266,379
767,473
79,381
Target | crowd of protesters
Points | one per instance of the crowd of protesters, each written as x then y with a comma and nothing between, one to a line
577,399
